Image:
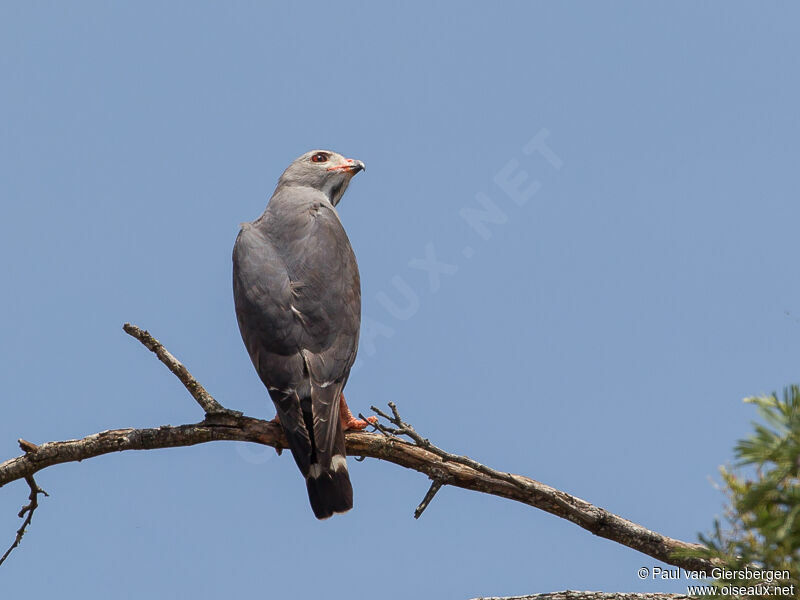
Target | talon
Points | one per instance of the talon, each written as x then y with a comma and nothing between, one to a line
349,422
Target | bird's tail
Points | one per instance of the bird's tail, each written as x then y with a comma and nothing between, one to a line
328,485
318,451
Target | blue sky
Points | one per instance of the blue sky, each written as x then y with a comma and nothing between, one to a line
599,337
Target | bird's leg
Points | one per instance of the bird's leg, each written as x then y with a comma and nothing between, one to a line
348,420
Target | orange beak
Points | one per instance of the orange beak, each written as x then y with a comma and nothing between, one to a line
352,167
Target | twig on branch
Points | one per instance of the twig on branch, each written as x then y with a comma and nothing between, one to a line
33,503
481,478
584,518
436,485
26,446
198,392
443,468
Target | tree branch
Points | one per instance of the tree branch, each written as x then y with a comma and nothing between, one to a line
33,503
573,595
198,392
436,485
442,467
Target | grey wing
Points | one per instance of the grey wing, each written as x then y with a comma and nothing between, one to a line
262,297
326,300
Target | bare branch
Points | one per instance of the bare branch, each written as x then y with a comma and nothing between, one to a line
399,452
198,392
33,504
584,518
466,473
443,468
573,595
436,485
243,429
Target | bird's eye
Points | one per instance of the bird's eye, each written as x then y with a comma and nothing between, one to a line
319,157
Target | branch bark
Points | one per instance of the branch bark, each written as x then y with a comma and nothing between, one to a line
573,595
422,456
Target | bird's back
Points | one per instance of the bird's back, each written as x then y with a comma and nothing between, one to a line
296,285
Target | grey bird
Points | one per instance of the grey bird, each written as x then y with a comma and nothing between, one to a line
297,293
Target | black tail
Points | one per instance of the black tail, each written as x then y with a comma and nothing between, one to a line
330,491
327,480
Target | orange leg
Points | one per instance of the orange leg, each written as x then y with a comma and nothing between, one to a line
349,421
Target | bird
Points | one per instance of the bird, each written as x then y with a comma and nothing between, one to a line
297,295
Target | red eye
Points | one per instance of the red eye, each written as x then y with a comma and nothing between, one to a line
319,157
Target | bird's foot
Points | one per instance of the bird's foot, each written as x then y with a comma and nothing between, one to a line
349,422
356,424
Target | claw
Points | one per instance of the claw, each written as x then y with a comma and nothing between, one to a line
349,422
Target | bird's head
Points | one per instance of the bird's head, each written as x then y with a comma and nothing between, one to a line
322,170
